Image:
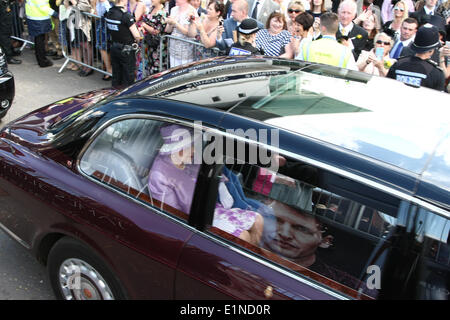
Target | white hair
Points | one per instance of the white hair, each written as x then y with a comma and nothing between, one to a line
350,3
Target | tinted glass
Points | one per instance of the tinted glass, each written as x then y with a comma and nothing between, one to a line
138,158
313,222
432,232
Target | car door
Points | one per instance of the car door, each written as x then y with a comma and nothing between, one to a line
320,236
148,234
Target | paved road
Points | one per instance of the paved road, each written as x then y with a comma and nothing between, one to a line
21,276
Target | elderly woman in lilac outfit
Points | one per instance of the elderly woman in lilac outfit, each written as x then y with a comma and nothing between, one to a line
173,175
172,181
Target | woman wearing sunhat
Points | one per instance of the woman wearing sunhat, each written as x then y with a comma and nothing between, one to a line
246,39
173,177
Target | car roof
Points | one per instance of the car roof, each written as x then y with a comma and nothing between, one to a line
415,140
384,119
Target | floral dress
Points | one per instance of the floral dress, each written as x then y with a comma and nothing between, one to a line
140,60
152,55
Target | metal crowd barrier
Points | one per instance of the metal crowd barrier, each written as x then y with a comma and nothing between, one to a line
18,34
76,48
189,51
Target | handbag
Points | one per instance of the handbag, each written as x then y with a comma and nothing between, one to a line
152,40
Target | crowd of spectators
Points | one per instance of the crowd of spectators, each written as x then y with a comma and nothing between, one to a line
378,32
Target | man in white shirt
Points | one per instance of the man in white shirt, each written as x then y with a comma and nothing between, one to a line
355,35
430,6
429,9
407,33
225,33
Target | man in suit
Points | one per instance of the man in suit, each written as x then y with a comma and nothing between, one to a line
408,31
439,23
227,11
226,34
261,9
355,35
423,14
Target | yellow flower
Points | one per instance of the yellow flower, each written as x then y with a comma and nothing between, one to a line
358,36
388,63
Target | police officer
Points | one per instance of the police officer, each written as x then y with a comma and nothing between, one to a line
6,22
246,39
419,70
124,34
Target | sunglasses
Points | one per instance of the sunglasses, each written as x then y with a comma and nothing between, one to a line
292,11
382,42
401,9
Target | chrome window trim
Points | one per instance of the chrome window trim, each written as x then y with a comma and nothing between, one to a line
442,212
237,249
89,142
275,267
185,224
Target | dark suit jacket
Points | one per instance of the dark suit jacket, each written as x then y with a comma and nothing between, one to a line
420,16
227,10
407,51
358,42
264,11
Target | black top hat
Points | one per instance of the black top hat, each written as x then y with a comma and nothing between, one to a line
427,38
248,26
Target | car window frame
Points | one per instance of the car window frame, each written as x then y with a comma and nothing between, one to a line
193,226
225,241
201,224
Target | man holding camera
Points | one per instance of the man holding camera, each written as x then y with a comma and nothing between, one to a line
124,34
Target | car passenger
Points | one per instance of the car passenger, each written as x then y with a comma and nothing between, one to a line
172,181
296,235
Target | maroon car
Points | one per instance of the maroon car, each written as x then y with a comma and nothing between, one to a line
234,178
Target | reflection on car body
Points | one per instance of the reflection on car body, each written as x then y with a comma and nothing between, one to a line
343,215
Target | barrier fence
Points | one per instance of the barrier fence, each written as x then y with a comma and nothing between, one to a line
180,51
92,50
18,13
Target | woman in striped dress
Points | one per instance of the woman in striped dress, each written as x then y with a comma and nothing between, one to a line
275,37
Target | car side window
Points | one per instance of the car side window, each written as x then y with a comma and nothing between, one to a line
433,233
148,160
314,222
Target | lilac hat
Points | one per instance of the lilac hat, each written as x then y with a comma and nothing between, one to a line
175,138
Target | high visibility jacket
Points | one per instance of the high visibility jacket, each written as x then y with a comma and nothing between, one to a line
328,51
38,9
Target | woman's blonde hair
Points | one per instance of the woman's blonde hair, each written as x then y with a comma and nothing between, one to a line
296,3
405,6
243,38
